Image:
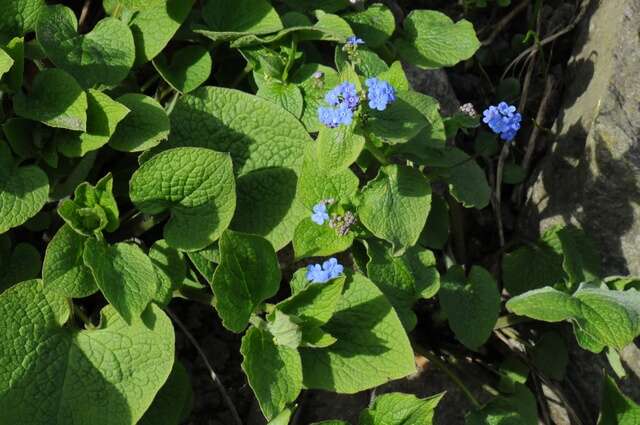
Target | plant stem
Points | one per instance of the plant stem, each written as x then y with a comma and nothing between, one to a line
212,373
433,358
82,316
498,190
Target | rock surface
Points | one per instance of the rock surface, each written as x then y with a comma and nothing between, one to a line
434,83
592,176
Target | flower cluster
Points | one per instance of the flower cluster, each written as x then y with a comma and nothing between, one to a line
330,269
380,94
342,223
503,120
344,100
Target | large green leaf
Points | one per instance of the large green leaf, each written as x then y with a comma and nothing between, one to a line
602,317
64,270
432,40
23,191
23,263
102,57
52,374
155,25
189,68
267,145
398,408
403,279
143,128
247,275
286,95
56,100
371,348
472,304
18,17
103,115
399,123
6,62
374,25
395,205
124,274
200,194
245,17
274,371
313,91
173,402
171,270
313,240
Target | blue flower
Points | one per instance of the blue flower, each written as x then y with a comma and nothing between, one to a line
320,214
354,41
380,94
503,120
345,100
330,269
315,274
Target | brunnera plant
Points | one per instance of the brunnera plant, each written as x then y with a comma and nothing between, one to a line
310,210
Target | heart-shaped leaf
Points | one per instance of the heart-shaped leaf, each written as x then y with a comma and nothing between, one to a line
189,68
18,17
56,100
23,191
196,185
102,57
56,374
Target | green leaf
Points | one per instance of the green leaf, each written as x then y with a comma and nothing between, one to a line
15,49
317,184
285,329
601,317
172,401
200,197
245,17
106,376
313,91
395,206
56,100
190,67
124,274
267,145
18,17
432,40
315,304
143,128
468,184
398,408
328,27
432,136
616,408
274,371
103,115
247,275
398,79
171,270
399,123
371,349
546,304
24,263
6,62
436,231
472,304
374,25
532,267
93,208
313,240
155,25
517,409
64,271
23,191
288,96
337,148
102,57
581,258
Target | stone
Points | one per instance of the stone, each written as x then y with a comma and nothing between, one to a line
434,83
591,178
